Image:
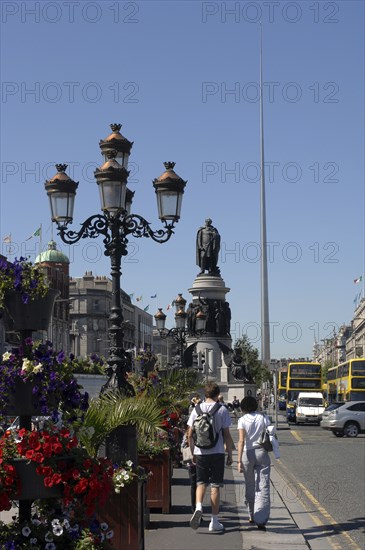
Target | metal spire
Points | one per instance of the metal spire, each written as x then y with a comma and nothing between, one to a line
265,326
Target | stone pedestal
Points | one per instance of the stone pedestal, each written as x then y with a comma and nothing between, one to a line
240,390
209,292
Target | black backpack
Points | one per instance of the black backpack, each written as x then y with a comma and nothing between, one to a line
205,435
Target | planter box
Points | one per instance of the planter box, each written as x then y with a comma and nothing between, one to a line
158,487
124,513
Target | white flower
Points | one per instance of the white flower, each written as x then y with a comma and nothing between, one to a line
57,530
38,367
33,541
55,522
26,531
129,463
104,526
110,534
50,546
66,524
27,365
6,355
36,522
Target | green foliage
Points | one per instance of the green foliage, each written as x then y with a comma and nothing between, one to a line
92,364
259,372
112,410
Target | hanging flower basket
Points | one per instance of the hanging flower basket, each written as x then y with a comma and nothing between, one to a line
37,381
34,315
22,401
32,484
49,464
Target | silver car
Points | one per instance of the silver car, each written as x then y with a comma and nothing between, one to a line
344,418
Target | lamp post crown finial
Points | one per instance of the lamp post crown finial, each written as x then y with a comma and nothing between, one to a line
169,165
61,167
115,127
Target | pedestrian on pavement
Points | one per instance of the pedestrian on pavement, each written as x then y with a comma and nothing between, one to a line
221,400
236,407
210,462
194,401
254,462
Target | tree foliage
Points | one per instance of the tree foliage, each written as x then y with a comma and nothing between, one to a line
259,372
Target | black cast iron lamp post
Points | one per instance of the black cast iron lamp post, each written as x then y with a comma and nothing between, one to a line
182,329
115,225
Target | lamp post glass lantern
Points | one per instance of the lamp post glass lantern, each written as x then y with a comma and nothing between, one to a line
115,225
191,323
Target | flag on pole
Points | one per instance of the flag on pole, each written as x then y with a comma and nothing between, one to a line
169,306
7,238
154,296
146,308
358,280
131,295
139,298
37,233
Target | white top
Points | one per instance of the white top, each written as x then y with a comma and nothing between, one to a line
222,419
253,424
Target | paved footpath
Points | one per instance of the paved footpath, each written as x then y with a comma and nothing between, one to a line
172,531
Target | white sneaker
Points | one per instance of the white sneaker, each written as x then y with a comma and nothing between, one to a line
216,526
196,519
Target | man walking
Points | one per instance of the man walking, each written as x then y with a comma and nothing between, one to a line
210,461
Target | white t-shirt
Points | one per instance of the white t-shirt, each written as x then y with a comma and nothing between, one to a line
253,424
222,419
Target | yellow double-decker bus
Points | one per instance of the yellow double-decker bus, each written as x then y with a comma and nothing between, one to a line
303,376
283,375
346,381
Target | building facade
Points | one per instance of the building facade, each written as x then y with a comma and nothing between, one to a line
90,303
56,266
347,343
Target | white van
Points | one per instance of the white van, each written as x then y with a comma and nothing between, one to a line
310,407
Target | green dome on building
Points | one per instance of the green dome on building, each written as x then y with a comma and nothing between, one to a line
52,255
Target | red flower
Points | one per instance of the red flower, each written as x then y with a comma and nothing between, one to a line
57,448
48,481
81,486
47,450
56,478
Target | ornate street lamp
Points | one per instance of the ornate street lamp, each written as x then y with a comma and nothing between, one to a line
115,225
191,323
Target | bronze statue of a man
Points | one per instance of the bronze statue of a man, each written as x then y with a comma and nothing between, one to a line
207,248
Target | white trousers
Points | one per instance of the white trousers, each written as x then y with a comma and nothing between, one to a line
256,470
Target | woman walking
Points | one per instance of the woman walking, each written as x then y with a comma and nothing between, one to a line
254,462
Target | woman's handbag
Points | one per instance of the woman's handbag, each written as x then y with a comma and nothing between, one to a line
186,454
264,440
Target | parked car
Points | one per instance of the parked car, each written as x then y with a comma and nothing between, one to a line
291,412
345,418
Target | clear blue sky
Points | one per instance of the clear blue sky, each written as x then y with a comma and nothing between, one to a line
182,78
